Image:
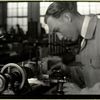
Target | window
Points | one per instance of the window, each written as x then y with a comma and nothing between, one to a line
17,14
87,8
43,8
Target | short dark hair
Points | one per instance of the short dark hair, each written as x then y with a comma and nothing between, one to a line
58,8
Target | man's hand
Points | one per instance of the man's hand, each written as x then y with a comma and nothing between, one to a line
95,90
49,62
71,88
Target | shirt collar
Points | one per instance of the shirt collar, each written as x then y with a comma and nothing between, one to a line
88,27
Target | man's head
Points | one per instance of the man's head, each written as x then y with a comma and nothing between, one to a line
61,18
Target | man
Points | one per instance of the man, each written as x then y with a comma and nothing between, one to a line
63,18
19,32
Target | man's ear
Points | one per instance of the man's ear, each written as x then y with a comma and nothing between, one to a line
67,17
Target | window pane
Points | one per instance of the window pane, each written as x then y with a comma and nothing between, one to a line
24,21
20,22
12,5
9,12
24,28
22,5
20,12
42,20
83,7
44,25
25,12
98,7
9,21
93,8
43,7
12,12
14,21
89,7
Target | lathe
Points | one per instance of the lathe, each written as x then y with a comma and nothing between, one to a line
22,80
38,75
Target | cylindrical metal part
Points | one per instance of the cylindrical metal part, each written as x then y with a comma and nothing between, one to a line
2,83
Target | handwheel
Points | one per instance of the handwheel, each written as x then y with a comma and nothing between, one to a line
10,68
3,83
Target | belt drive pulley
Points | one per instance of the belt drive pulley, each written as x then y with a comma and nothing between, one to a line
11,73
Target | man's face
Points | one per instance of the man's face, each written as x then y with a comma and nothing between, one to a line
62,27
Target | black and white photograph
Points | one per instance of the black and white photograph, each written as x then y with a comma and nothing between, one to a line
49,48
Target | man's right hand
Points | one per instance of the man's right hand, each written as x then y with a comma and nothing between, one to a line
49,62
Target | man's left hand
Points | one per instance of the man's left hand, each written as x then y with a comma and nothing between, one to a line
71,88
